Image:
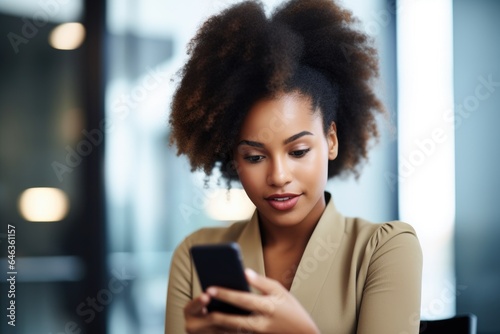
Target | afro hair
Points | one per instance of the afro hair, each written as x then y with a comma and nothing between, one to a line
240,56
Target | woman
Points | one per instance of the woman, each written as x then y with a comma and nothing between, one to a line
282,104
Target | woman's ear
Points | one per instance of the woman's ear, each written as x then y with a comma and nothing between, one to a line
333,143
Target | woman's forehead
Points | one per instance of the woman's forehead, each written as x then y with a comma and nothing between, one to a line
278,117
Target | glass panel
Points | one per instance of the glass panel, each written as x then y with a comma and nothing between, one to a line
41,201
153,200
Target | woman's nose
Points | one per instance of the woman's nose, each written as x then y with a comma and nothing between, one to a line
279,173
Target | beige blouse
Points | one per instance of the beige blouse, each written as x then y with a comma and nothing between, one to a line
354,276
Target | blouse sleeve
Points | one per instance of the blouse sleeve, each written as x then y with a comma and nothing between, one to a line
391,294
179,289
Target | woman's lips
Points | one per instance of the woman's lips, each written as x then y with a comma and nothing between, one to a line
283,202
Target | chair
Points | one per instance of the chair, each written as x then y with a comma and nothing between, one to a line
460,324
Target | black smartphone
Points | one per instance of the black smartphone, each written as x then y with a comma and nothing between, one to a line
220,265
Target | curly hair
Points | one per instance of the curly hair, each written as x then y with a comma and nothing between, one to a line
240,56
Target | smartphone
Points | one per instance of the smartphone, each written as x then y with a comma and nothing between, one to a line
220,265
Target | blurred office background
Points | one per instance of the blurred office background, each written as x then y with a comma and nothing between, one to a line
99,200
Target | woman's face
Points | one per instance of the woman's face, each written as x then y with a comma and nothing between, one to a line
282,158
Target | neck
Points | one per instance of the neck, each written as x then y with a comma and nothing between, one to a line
285,237
288,237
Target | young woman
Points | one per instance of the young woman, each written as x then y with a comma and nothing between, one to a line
282,104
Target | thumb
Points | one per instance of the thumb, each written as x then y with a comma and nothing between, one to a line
265,285
197,306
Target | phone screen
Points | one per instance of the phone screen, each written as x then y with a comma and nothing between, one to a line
220,265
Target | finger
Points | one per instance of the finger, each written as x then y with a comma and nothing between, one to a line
234,297
201,325
263,284
206,325
239,324
197,306
227,330
246,300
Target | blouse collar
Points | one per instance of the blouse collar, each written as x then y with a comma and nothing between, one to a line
316,260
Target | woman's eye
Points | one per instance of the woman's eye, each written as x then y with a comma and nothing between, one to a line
299,153
254,158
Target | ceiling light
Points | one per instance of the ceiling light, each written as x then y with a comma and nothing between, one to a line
67,36
43,204
234,206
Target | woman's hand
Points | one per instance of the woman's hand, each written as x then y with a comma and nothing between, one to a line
198,320
275,311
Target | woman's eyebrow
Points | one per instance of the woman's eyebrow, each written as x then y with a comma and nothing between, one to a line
251,143
286,141
297,136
